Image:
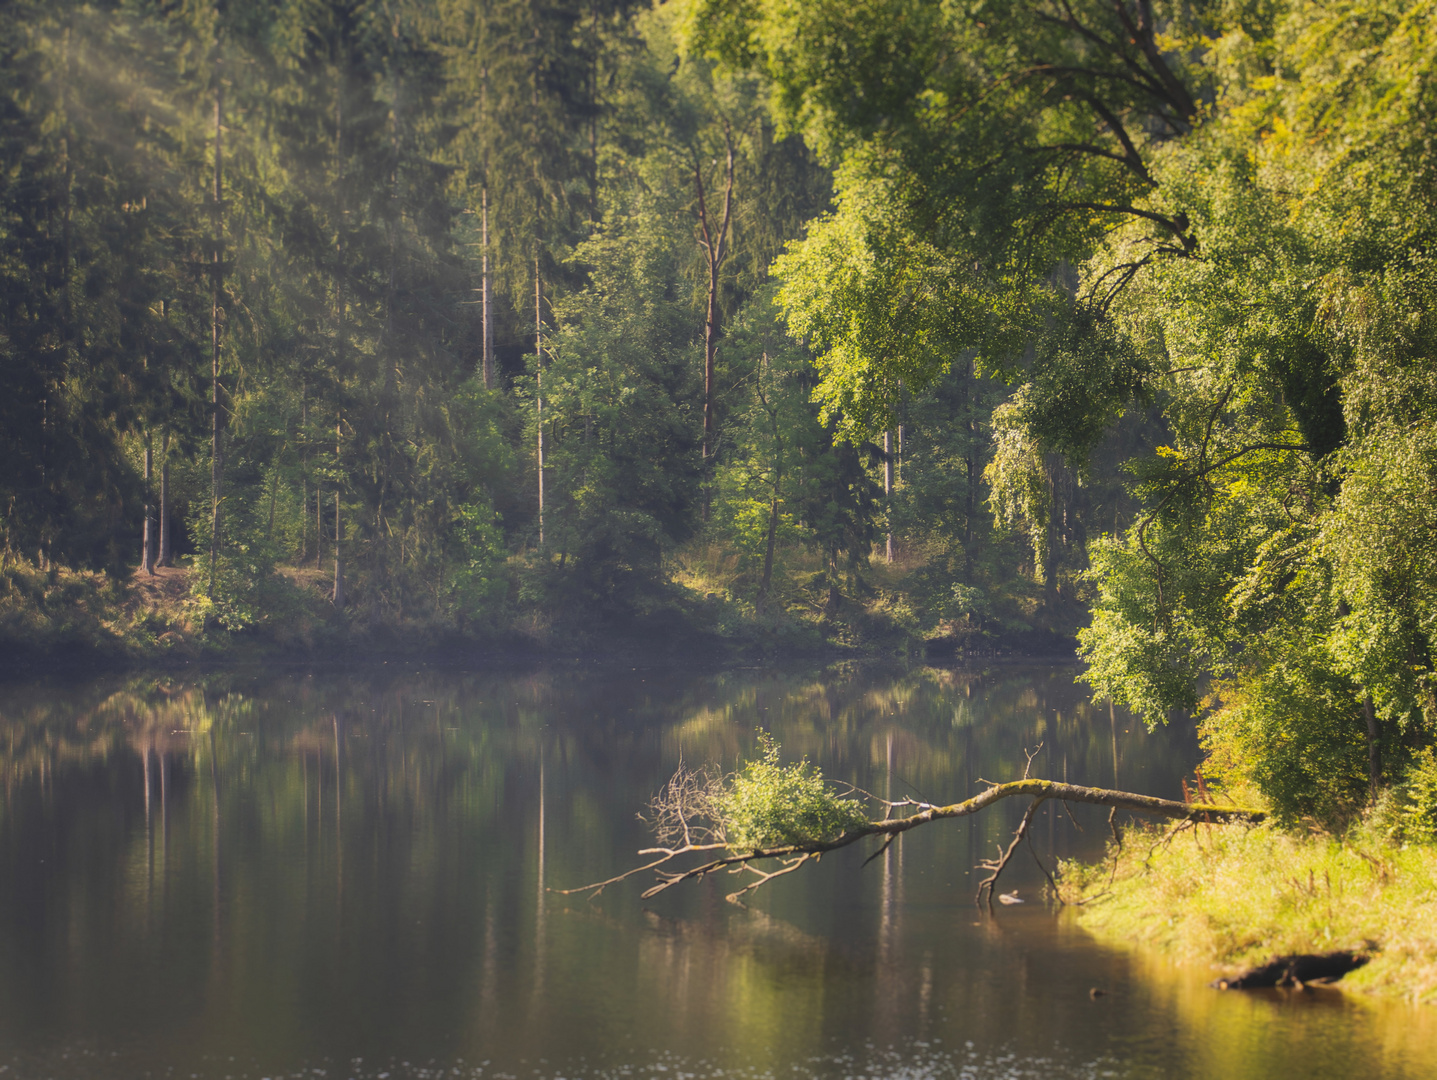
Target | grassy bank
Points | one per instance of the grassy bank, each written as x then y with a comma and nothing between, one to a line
1233,897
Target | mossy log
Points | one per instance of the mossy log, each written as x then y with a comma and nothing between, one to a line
792,856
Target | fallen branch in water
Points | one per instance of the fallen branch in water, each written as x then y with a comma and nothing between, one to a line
694,815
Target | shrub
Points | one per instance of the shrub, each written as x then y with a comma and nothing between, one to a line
1409,809
1297,735
771,805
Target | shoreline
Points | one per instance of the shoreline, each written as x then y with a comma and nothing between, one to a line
74,620
1238,897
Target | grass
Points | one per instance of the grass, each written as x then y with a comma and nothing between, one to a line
80,610
141,617
1233,897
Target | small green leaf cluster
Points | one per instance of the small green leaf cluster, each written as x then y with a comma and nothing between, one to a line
770,805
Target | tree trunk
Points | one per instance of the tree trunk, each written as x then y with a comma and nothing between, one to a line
340,340
217,283
304,471
147,555
486,288
166,555
1050,562
338,596
970,492
777,493
763,586
539,388
714,241
1374,749
273,495
888,492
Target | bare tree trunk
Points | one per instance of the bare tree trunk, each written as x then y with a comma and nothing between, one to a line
969,471
304,472
777,494
1050,564
714,241
273,495
539,387
888,492
902,427
338,596
217,277
763,585
486,288
340,342
166,555
1374,749
148,543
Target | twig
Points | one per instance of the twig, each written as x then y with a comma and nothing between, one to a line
1166,840
1036,751
888,843
1058,895
764,878
597,887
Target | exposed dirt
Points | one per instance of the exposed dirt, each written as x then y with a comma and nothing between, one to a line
165,589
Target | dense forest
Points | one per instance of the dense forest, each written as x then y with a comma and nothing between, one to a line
798,320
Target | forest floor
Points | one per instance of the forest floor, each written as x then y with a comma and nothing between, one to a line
1233,897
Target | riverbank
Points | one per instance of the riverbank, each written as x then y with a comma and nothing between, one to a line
1234,897
159,618
155,619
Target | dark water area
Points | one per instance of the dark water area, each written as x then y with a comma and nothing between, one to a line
351,874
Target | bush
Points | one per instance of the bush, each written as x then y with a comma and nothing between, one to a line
1297,735
770,805
1408,809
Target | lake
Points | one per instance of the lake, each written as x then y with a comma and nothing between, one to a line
351,874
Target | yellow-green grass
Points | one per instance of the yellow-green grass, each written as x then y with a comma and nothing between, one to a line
1234,896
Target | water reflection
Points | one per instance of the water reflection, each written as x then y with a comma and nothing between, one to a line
242,874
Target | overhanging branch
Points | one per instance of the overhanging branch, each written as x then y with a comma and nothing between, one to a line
793,856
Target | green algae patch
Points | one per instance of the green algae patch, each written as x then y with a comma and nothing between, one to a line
1233,897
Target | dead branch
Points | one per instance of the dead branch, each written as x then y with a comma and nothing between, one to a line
684,810
1052,881
995,866
788,867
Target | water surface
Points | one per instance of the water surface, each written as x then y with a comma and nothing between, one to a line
351,874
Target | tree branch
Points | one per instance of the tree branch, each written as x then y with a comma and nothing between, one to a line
793,856
1178,226
995,866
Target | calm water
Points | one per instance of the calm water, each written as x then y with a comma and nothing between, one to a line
345,875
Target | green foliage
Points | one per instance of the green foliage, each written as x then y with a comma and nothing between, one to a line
1408,810
772,805
1296,733
1219,218
477,582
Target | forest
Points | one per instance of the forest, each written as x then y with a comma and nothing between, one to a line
864,323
